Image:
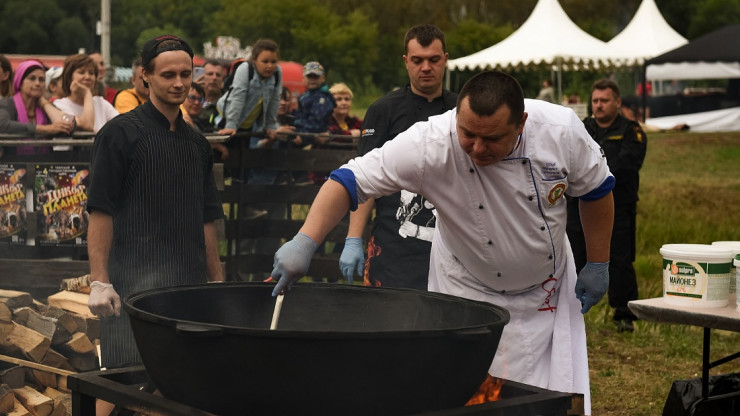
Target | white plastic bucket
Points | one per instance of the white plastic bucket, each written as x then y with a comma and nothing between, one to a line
696,275
735,247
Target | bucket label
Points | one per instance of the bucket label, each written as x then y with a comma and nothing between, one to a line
696,280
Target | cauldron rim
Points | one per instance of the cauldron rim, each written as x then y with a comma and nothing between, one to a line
138,313
445,366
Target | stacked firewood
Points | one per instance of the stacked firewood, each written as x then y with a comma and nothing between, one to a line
42,343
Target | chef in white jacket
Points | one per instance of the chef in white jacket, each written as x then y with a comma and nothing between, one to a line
497,173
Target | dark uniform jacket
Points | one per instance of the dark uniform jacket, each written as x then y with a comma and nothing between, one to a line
624,144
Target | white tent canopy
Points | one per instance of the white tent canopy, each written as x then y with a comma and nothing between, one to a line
647,35
549,37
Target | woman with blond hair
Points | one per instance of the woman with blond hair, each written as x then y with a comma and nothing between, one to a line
341,123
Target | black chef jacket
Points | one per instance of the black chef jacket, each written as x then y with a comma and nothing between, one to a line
394,260
158,186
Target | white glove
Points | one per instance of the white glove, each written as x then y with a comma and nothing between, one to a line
104,301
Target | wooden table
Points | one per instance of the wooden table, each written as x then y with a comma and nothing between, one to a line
727,318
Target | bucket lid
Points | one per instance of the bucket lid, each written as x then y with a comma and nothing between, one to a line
732,245
737,260
704,251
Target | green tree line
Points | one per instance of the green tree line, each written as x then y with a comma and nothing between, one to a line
358,41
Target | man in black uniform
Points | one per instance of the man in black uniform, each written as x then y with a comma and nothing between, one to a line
152,201
398,251
624,144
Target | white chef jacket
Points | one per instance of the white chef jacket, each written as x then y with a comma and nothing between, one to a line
500,233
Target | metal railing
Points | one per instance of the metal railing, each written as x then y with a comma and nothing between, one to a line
88,138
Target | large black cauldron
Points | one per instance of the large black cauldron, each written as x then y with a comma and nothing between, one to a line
338,349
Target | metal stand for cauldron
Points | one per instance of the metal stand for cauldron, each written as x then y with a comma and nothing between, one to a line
123,388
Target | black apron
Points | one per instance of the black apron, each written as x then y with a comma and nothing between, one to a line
158,229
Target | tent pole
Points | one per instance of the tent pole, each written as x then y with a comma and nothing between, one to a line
447,79
560,80
644,88
105,39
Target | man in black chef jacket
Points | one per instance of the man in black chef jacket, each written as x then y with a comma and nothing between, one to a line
153,202
401,240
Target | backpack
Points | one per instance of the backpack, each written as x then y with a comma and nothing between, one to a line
229,80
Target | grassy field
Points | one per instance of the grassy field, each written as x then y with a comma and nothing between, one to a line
689,193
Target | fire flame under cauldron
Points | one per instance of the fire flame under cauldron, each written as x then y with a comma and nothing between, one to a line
489,391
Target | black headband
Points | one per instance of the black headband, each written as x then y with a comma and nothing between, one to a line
151,48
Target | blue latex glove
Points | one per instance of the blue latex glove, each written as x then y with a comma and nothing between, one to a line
352,258
292,261
592,283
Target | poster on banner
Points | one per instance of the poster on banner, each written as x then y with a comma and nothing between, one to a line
60,203
13,218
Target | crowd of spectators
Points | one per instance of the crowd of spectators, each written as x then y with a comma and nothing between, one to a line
244,98
28,111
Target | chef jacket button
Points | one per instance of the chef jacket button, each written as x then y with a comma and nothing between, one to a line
524,162
550,276
550,257
531,197
542,228
480,206
490,243
498,274
472,170
503,292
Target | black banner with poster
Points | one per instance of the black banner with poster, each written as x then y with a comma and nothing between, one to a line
13,218
60,203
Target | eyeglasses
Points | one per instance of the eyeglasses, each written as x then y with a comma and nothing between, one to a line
196,98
